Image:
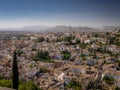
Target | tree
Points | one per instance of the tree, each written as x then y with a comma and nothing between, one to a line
15,77
108,79
43,55
40,39
74,84
66,54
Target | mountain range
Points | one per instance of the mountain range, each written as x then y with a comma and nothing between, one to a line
62,28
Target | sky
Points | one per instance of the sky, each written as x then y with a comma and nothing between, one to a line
91,13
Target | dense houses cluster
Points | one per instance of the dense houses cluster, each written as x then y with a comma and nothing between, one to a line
87,57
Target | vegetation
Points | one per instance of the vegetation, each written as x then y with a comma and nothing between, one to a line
115,40
5,83
95,35
1,77
34,48
78,41
82,55
66,54
40,39
15,76
95,85
83,45
91,85
19,52
108,79
117,88
22,86
74,85
44,70
69,38
43,56
118,63
28,86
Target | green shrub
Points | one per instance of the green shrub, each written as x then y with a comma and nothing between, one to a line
5,83
108,79
28,86
44,55
66,55
22,85
74,85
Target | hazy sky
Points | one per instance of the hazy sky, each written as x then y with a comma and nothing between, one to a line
95,13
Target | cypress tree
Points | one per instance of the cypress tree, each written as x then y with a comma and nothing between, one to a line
15,77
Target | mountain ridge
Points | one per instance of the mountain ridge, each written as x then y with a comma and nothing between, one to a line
61,28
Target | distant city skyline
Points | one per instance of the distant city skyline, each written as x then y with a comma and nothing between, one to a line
91,13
